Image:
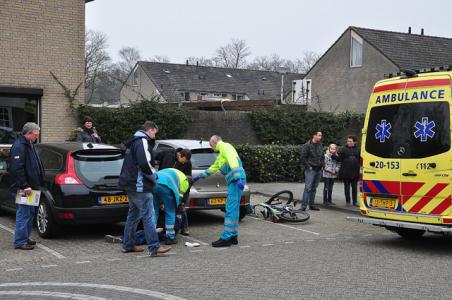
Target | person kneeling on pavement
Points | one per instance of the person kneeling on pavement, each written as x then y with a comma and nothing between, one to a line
169,190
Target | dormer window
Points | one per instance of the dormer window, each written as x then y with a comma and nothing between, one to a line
356,51
135,77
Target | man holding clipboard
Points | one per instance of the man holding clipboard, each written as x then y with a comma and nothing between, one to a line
26,173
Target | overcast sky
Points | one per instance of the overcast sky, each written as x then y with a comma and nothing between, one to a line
182,28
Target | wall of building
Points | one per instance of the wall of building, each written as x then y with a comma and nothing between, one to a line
144,88
233,126
337,87
37,37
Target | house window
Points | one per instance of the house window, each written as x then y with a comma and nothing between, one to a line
5,116
356,51
216,95
135,77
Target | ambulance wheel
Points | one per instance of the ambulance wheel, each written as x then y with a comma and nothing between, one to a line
409,233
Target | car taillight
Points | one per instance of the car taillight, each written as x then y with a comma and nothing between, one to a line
67,216
70,176
242,200
191,203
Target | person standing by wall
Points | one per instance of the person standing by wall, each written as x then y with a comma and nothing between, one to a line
330,172
230,165
27,174
88,133
312,158
349,156
138,180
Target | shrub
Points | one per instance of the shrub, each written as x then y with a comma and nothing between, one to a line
267,163
297,127
116,124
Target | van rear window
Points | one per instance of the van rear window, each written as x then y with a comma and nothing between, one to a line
414,130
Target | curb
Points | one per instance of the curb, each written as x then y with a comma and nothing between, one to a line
338,208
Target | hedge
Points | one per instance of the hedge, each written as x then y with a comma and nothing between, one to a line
296,127
116,124
268,163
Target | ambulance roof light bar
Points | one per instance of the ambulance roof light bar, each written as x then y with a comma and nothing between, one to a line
413,73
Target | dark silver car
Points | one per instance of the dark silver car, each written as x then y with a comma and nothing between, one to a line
209,193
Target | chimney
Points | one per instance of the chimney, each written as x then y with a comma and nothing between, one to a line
186,62
422,31
197,63
409,30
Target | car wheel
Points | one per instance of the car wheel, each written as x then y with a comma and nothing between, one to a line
44,220
243,212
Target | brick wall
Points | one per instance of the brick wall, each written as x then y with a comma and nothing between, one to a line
37,37
233,126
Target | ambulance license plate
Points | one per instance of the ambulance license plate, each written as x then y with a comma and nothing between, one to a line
217,201
384,203
106,200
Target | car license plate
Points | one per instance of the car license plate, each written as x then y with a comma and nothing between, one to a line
217,201
384,203
105,200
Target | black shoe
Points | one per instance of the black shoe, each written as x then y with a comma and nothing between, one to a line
222,243
31,242
348,204
170,242
356,204
234,240
326,203
313,207
113,239
332,203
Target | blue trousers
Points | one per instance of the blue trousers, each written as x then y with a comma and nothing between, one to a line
24,222
231,219
311,181
163,195
140,208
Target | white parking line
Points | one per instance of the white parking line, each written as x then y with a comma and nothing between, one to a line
50,295
113,259
15,269
287,226
83,262
49,266
196,251
289,242
267,245
39,245
246,246
118,288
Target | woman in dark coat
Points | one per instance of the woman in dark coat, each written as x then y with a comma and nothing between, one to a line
88,133
349,156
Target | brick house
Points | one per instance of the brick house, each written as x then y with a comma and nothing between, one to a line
191,83
344,76
36,38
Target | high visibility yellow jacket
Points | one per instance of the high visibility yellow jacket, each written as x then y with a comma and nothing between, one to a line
228,163
175,180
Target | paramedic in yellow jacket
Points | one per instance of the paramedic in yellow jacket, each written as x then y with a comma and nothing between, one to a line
229,164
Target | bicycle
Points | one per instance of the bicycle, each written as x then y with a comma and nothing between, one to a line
280,207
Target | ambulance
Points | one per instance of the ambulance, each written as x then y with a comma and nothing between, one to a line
406,154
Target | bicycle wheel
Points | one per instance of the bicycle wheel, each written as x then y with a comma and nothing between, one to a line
261,212
284,197
292,215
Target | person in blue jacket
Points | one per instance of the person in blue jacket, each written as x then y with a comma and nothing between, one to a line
137,178
229,164
169,191
26,173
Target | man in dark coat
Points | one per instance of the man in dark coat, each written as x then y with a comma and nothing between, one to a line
27,174
312,159
349,156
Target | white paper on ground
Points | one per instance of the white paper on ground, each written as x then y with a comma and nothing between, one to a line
188,244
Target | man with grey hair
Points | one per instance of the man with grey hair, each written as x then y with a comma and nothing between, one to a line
229,164
27,174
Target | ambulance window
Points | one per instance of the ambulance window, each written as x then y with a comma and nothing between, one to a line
409,130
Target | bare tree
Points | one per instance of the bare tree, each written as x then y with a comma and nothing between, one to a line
232,55
270,63
159,58
201,61
305,63
97,60
128,57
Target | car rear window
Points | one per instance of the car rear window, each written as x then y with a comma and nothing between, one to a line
202,158
414,130
98,168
